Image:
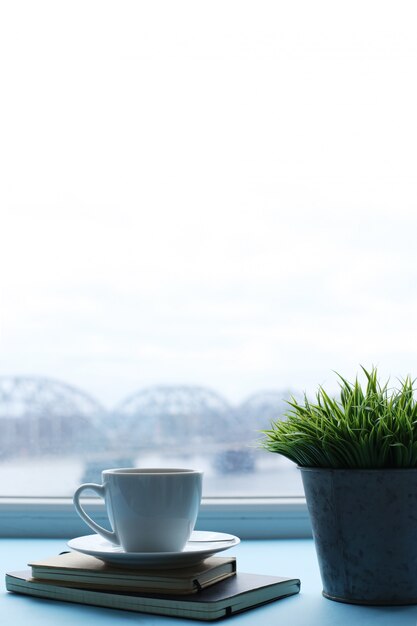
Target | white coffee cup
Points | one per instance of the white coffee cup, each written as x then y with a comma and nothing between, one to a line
150,510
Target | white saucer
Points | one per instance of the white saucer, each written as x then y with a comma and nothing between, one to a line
201,545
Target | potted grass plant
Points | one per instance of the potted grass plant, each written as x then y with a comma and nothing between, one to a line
357,454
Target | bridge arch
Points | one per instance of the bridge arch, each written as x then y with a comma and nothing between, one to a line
41,415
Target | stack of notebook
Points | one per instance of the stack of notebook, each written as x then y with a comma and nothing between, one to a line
210,590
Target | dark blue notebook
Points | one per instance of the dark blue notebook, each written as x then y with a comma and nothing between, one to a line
233,595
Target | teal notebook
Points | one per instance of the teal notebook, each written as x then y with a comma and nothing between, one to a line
233,595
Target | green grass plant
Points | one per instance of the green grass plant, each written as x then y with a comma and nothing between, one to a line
368,426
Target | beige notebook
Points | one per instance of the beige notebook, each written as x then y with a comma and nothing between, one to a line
81,570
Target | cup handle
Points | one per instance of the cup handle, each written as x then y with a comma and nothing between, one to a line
100,491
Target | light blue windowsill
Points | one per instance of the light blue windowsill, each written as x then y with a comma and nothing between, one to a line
289,557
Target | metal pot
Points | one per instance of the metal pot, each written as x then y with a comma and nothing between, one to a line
365,531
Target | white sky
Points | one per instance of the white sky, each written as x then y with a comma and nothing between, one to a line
215,193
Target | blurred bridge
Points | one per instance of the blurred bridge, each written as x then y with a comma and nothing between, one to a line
41,416
174,417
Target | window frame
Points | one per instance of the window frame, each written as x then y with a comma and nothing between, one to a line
248,518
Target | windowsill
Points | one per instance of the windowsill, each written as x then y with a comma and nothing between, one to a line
293,558
249,518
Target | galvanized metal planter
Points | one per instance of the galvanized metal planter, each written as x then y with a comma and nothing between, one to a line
365,531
